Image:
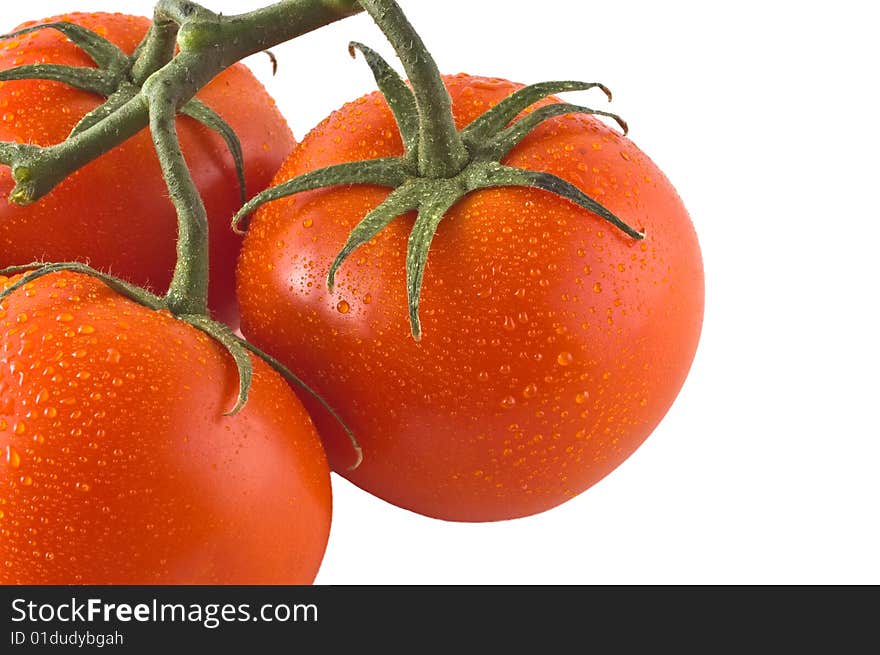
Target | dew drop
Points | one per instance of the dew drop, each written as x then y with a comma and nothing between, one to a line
597,287
19,428
26,480
343,307
86,329
509,323
13,459
307,223
83,487
482,376
113,356
581,398
564,358
368,299
530,391
508,401
64,317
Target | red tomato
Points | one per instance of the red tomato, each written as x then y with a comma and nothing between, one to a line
118,464
115,212
553,344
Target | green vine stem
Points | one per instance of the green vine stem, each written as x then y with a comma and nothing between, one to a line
209,43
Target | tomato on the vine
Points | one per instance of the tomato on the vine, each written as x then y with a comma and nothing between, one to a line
118,463
115,212
553,344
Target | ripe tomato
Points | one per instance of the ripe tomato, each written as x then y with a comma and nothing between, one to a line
553,344
118,464
115,212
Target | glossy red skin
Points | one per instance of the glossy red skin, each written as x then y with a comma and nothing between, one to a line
115,212
553,344
118,466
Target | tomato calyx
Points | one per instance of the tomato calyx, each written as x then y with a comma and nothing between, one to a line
440,164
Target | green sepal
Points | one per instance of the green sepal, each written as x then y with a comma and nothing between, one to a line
510,137
498,175
37,270
288,375
401,200
104,53
201,112
113,102
93,80
388,171
233,345
431,212
397,94
498,117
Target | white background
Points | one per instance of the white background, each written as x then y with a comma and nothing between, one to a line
765,117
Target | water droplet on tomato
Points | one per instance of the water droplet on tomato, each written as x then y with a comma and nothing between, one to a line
307,223
581,398
530,391
508,401
13,459
113,356
26,480
343,307
19,428
509,323
564,358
